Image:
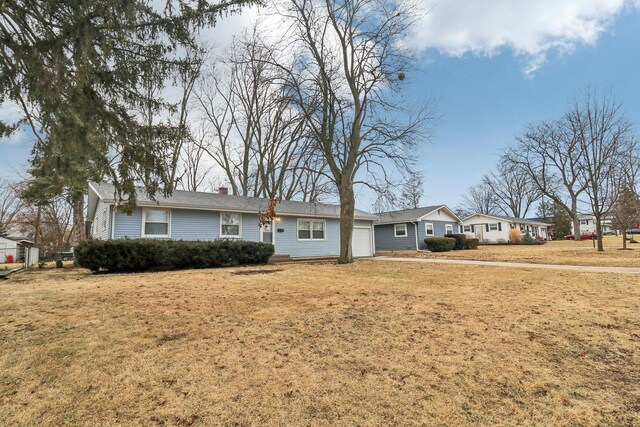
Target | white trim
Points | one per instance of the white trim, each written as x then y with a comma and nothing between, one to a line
415,228
433,229
225,236
438,208
273,234
113,221
155,236
446,227
311,221
508,219
105,220
395,230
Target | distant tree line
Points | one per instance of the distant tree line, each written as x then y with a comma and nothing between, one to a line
589,157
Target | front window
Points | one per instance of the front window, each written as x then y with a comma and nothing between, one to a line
428,229
467,229
156,222
400,230
493,227
230,225
448,229
309,229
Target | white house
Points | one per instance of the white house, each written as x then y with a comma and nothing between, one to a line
495,228
588,224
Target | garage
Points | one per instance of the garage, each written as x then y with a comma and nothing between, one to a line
361,245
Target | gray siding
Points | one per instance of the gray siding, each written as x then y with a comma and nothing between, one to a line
187,224
97,229
386,240
438,229
128,225
287,240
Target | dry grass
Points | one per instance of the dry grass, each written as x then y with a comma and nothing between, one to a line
365,344
557,252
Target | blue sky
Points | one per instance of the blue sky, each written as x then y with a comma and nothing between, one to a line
490,72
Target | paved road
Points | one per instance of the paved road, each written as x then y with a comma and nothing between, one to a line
584,268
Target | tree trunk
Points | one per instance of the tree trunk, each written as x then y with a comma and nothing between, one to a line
347,213
576,225
624,238
599,232
78,220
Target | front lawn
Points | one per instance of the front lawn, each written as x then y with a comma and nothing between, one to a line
366,344
566,252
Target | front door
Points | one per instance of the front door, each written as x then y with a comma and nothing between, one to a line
479,231
266,234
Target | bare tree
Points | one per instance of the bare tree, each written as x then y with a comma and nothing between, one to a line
513,190
256,136
412,191
625,213
193,169
550,156
604,137
349,67
10,204
51,223
479,198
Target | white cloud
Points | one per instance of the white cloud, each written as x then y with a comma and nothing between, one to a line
528,28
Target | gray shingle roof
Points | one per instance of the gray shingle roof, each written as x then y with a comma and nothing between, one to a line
406,214
214,201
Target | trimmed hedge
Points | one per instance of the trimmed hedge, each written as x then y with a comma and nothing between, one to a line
472,243
461,241
440,244
119,256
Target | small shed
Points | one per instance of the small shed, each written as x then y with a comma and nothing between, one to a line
13,249
8,250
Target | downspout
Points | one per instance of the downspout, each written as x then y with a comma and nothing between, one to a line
415,225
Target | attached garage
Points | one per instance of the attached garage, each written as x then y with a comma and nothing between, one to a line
362,242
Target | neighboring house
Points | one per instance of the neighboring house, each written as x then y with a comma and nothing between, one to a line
495,228
300,229
14,248
588,224
407,229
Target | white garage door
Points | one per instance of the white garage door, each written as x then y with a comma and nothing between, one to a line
361,244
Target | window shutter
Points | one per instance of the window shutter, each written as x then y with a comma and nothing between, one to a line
473,228
499,226
486,226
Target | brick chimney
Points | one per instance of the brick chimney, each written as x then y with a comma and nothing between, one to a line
223,190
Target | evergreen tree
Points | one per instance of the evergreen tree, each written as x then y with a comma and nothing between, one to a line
80,71
553,213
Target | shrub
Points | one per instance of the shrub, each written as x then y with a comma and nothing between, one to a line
515,235
440,244
472,243
141,255
59,263
461,240
527,239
